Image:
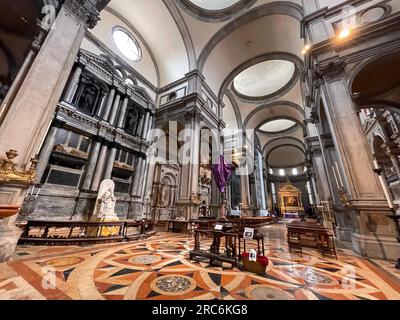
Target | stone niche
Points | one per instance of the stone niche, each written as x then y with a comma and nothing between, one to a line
165,190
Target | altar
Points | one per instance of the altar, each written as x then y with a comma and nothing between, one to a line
291,204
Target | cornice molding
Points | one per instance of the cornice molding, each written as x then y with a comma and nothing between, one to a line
84,10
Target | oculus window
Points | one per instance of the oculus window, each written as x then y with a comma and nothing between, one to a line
127,44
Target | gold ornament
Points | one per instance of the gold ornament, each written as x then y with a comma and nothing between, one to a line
9,172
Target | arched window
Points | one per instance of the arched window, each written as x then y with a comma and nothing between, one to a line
309,191
273,192
130,82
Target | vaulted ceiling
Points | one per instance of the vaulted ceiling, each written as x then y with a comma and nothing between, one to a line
249,52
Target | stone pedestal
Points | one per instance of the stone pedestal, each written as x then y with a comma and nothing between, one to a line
9,236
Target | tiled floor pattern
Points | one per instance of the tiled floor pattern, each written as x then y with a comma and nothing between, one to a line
159,269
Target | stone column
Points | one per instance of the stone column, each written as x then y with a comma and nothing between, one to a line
215,205
99,168
143,179
73,84
395,162
107,110
145,125
136,180
189,182
245,192
321,176
140,126
26,120
114,109
34,105
12,92
110,163
265,181
122,113
103,102
148,135
91,166
46,151
374,234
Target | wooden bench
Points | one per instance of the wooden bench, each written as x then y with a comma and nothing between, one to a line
301,234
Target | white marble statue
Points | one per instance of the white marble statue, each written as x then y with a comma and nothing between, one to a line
105,203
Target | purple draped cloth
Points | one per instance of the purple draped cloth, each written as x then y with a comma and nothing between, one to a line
222,172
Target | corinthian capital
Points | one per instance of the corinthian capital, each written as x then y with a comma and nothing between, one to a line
332,68
85,10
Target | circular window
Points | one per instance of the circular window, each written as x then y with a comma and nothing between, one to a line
126,44
372,15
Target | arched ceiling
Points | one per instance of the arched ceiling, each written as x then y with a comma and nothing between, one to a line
154,22
278,125
214,4
285,156
249,53
251,41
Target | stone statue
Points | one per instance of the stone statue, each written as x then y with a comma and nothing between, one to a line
105,210
105,203
88,98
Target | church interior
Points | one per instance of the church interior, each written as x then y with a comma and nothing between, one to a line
200,150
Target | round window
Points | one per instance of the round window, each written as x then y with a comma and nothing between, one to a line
126,44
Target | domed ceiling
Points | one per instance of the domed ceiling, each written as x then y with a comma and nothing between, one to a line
214,4
264,78
276,126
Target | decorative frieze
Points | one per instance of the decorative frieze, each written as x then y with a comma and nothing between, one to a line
84,10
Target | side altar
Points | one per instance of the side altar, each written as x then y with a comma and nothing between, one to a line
291,205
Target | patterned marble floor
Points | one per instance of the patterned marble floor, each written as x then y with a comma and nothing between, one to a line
159,269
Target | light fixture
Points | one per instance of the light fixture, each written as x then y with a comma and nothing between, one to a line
345,33
307,47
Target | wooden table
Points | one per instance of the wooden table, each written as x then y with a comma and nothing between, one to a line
204,224
231,254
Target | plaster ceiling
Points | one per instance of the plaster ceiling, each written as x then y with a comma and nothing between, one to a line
264,78
277,125
285,156
263,38
266,35
214,4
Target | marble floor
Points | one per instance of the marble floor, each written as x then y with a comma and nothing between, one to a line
159,269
